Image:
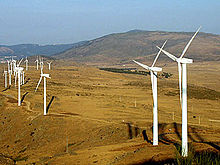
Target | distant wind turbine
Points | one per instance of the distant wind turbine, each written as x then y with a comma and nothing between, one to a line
9,77
153,70
37,62
26,62
49,63
183,95
18,71
19,63
5,74
9,62
42,64
45,96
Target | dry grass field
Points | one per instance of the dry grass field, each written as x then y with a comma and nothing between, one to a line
93,119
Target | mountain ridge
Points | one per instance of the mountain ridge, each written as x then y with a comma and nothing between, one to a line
140,44
21,50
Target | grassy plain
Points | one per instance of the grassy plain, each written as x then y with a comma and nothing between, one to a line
99,117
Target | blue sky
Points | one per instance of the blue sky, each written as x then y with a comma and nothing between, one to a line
69,21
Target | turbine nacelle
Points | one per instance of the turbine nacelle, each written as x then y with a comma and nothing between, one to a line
184,60
45,75
19,69
155,69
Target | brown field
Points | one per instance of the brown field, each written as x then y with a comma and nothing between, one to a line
92,118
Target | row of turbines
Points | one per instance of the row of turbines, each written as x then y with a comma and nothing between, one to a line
18,72
182,62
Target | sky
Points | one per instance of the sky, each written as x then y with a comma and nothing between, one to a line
70,21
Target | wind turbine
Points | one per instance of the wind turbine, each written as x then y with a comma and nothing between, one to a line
9,71
49,63
23,77
37,62
5,74
18,71
9,77
45,96
14,65
183,95
42,63
26,62
11,64
19,62
8,65
153,70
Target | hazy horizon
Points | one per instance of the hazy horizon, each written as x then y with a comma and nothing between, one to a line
63,22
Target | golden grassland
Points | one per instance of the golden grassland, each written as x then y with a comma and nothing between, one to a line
99,117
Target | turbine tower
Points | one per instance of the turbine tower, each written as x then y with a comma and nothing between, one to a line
23,77
42,63
183,86
49,63
37,62
5,74
9,77
26,62
153,70
9,63
18,71
45,96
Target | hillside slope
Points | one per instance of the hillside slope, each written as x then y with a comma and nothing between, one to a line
136,44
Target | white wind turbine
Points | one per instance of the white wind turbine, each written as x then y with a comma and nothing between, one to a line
23,77
9,71
14,65
9,62
9,77
18,71
26,62
153,70
37,62
5,74
49,63
42,63
19,62
183,95
45,96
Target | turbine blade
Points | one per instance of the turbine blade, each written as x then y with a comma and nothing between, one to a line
168,54
180,81
142,65
20,62
159,53
38,83
187,46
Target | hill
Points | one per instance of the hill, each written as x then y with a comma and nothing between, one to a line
121,48
35,49
99,117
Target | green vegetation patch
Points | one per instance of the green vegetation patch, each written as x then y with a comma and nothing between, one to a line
202,93
127,71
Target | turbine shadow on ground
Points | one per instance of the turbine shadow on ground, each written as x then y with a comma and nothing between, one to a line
48,107
164,139
6,89
26,81
146,137
202,140
22,99
130,132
